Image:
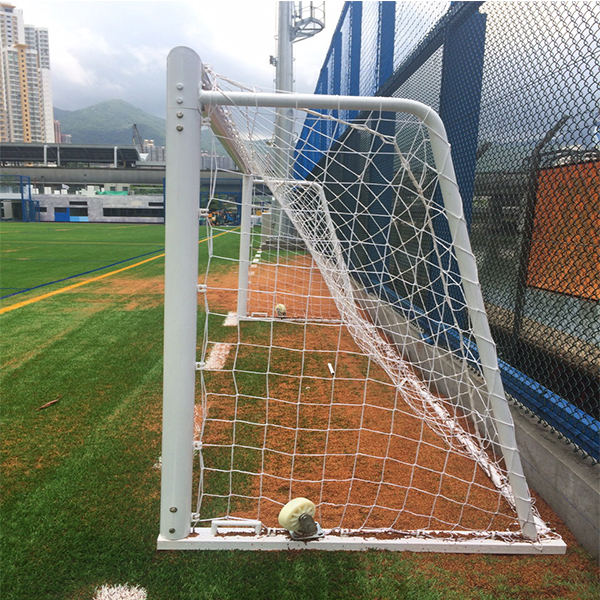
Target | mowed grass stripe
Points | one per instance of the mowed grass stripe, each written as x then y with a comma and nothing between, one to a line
120,262
38,253
87,281
82,243
21,234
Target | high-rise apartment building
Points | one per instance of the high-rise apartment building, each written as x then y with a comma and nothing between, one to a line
26,113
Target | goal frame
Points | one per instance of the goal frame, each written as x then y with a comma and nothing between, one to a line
185,100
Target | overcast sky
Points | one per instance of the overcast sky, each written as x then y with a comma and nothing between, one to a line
104,50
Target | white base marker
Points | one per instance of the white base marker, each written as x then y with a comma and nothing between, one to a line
231,320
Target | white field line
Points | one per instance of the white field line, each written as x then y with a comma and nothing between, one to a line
217,357
121,592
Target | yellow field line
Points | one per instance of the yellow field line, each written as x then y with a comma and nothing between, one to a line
76,285
137,225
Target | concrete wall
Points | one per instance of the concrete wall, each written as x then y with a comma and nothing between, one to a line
566,481
96,206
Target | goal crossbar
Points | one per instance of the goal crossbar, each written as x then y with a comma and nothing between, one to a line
186,101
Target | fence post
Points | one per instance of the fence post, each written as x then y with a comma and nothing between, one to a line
337,77
460,99
383,170
527,238
387,29
355,50
460,105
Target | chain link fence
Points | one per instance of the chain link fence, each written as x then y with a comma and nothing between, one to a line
518,87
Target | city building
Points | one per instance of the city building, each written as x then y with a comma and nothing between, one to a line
26,113
154,153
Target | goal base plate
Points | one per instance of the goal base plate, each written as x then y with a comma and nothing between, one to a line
203,539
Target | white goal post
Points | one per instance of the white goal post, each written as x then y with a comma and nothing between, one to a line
485,436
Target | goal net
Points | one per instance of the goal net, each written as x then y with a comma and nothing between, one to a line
344,356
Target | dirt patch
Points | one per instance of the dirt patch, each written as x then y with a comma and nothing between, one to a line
350,443
295,283
222,291
132,293
567,577
285,427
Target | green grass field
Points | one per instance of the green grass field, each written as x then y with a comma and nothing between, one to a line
80,484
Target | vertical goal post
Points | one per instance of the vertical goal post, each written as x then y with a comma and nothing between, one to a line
186,101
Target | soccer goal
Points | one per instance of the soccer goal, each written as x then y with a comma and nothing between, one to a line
342,390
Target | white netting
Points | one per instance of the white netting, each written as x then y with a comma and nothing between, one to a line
355,378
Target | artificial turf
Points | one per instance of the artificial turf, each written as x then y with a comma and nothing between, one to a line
57,251
80,478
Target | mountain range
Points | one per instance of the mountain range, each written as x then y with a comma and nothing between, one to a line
111,122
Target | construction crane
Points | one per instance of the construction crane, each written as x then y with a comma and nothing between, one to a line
137,138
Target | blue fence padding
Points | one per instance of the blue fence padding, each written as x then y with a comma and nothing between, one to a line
566,418
353,79
357,24
462,76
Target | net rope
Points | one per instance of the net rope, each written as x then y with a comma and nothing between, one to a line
354,379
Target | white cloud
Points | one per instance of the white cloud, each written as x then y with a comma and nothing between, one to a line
145,59
118,49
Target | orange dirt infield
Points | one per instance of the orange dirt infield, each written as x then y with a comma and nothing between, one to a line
296,284
278,425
